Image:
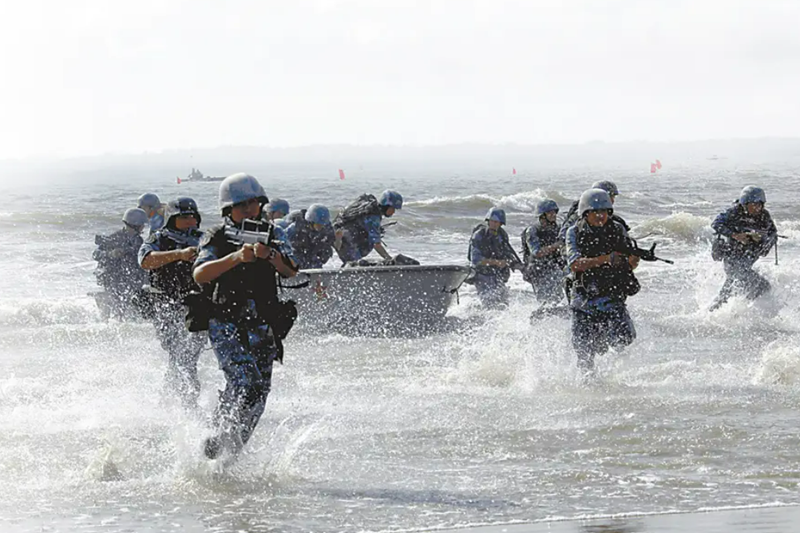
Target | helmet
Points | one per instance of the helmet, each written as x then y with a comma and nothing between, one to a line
391,199
497,214
609,186
546,206
239,188
318,214
149,201
181,206
135,218
752,195
278,204
593,200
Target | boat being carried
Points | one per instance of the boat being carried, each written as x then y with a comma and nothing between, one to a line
381,300
196,175
384,300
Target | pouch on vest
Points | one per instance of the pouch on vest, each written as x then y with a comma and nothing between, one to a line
281,321
198,311
282,318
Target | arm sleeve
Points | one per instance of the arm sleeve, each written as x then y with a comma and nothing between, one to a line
209,248
573,254
722,225
150,246
284,246
474,249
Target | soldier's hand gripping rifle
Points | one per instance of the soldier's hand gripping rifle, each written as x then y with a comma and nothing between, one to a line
252,232
257,232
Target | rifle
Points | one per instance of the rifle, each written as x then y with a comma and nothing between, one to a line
252,232
517,264
646,254
764,234
185,239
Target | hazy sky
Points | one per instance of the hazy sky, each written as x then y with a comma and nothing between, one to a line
85,77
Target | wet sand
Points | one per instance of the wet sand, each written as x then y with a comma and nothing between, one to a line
783,519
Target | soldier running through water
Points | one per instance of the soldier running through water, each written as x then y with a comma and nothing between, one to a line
598,255
745,233
168,255
118,270
541,249
492,257
247,321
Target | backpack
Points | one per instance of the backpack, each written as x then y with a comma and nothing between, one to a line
365,205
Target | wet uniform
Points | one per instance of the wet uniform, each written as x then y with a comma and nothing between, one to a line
312,248
600,317
738,259
170,284
490,281
118,270
245,304
545,273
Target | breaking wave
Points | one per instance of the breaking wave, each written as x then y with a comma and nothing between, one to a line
681,226
476,203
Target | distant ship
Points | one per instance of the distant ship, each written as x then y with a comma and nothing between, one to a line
196,175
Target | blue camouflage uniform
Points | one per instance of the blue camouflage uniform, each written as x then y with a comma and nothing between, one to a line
490,281
738,259
118,270
170,284
312,248
600,316
360,238
546,273
242,336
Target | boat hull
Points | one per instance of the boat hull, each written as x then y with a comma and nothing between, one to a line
379,300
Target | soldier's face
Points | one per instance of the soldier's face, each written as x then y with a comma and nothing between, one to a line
551,216
185,222
494,225
754,208
597,218
246,210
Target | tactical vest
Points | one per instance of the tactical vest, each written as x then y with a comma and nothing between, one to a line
548,235
247,281
174,279
605,280
311,248
351,220
537,266
491,246
739,222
